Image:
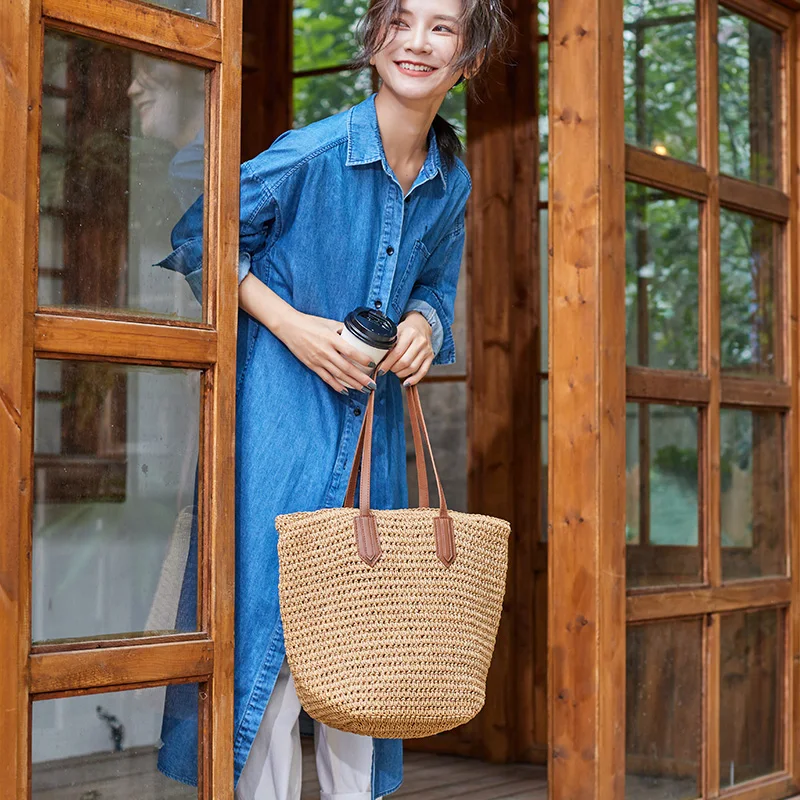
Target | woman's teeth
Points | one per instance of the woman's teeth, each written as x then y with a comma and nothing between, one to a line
415,67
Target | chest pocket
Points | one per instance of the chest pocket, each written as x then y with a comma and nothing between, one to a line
416,262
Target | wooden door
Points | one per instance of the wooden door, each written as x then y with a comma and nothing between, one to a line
117,386
673,450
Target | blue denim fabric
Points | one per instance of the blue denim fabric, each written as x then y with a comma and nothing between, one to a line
324,223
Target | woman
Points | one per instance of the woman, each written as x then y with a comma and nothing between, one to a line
363,208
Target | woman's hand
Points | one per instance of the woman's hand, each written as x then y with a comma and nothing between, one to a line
317,343
313,340
412,356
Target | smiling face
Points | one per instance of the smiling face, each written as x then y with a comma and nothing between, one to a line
420,48
168,98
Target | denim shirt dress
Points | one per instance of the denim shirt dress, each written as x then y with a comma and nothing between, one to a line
324,223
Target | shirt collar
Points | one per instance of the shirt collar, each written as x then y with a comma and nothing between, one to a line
364,145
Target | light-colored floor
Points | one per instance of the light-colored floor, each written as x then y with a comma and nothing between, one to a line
132,775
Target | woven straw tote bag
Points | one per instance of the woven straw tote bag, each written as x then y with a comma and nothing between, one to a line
390,616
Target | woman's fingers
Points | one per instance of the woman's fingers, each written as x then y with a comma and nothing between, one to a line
347,374
336,385
414,366
420,373
351,353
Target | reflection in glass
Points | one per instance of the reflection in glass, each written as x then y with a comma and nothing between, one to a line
325,32
102,746
197,8
661,284
749,98
663,710
122,157
751,695
749,249
445,408
661,77
114,512
544,120
661,495
752,494
321,96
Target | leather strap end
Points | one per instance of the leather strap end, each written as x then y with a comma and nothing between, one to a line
369,548
445,540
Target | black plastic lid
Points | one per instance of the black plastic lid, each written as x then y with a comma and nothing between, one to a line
372,327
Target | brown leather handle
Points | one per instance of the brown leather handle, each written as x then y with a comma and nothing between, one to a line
419,455
365,527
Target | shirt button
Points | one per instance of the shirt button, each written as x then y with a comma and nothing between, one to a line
356,412
378,304
389,250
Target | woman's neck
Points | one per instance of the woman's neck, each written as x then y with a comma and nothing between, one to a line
404,132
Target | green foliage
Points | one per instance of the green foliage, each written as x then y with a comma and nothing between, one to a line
679,462
660,76
746,53
662,261
747,315
325,32
662,245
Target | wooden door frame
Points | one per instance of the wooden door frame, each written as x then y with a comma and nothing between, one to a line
28,673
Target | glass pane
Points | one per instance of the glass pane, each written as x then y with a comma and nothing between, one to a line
752,494
663,710
751,696
661,495
661,286
114,520
544,121
325,32
102,746
445,407
543,8
197,8
324,95
749,98
661,77
749,249
122,159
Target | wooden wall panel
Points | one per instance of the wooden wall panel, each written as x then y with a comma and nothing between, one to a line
586,607
266,74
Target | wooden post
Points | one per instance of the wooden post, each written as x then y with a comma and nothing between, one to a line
587,403
19,43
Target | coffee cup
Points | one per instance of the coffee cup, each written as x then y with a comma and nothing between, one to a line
371,332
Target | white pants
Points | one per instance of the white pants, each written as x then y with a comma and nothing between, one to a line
273,770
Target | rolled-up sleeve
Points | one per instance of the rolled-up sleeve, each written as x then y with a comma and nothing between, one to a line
257,213
434,292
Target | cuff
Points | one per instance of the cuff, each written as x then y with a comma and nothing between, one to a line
429,312
425,300
244,265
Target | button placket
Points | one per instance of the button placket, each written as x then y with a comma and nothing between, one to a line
391,244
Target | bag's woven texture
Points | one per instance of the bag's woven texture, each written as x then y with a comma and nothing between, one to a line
400,649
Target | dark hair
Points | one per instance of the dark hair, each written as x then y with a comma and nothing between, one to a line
485,32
